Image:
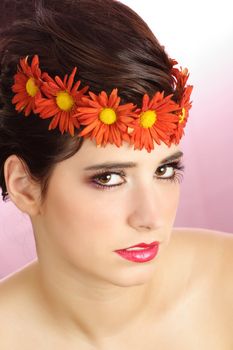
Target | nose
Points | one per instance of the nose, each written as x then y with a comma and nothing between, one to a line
146,212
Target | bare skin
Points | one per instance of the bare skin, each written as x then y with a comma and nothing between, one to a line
196,308
82,294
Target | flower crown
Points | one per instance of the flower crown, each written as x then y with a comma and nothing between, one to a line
102,117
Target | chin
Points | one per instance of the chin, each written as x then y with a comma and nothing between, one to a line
139,274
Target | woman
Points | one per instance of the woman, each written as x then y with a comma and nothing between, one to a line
84,88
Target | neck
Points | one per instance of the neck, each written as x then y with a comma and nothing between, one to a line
91,310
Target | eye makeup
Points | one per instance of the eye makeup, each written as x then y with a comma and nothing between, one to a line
177,168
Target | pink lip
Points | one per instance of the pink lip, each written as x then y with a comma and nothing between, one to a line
140,245
140,256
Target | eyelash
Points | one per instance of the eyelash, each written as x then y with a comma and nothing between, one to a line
177,177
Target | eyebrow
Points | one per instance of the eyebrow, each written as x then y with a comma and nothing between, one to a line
112,165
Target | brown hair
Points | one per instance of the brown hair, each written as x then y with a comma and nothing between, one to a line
109,43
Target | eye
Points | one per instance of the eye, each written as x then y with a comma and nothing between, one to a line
108,179
175,169
102,179
165,171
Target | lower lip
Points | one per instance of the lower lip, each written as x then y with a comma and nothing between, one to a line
140,256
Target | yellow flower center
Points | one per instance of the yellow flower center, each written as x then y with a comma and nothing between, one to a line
148,118
182,115
31,87
64,101
108,116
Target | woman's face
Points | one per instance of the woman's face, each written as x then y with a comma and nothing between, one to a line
81,224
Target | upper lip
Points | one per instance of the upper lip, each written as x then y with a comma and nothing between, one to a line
143,245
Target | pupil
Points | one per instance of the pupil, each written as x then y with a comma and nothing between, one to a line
105,177
162,170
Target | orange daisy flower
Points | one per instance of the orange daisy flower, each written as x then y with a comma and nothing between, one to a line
106,121
156,121
185,106
61,103
27,82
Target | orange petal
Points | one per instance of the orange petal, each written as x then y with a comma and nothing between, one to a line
89,128
75,87
19,97
35,60
60,82
93,96
62,120
71,127
21,105
106,135
87,110
116,135
28,109
85,120
103,99
96,130
65,79
76,123
71,79
126,107
100,134
145,101
155,136
113,98
54,122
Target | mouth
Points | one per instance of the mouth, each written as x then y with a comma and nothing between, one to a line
140,246
140,253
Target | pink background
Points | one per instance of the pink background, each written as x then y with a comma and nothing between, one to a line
200,37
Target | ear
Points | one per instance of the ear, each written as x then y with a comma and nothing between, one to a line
22,190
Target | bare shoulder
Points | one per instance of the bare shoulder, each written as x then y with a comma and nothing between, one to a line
15,296
208,244
213,252
17,280
19,309
203,235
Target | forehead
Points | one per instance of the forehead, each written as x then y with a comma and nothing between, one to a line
91,154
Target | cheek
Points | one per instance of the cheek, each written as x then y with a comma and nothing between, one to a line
79,219
82,228
171,201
